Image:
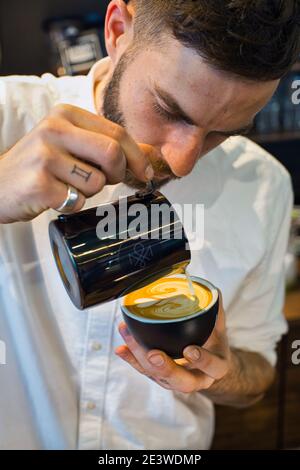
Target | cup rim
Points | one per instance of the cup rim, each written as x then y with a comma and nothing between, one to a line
199,280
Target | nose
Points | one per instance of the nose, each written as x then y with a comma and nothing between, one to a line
182,150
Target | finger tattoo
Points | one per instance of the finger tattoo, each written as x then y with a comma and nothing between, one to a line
82,173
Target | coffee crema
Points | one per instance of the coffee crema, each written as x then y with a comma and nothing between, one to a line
168,298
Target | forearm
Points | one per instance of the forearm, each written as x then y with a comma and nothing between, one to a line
248,378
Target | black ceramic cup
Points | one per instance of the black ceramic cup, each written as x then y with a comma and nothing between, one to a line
97,268
173,335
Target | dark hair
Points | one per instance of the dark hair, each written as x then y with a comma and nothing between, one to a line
254,39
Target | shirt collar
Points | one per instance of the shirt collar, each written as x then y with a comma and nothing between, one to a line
98,73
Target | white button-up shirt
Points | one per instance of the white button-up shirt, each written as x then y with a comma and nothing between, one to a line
62,386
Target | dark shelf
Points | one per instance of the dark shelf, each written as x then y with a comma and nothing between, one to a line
296,67
275,137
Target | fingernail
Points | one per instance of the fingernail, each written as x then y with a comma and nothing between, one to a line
156,360
149,173
122,354
125,332
194,354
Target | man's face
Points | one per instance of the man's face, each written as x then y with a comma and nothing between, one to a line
179,107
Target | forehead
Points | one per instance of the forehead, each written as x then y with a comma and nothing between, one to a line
195,84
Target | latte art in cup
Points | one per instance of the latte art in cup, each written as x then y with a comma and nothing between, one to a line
168,298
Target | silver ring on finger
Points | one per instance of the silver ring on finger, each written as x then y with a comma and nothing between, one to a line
70,202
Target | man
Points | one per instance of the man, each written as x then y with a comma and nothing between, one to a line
180,79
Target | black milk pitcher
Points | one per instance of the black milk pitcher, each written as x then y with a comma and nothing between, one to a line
102,252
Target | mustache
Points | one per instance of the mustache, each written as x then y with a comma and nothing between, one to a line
161,168
162,174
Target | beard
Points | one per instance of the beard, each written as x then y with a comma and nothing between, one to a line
112,111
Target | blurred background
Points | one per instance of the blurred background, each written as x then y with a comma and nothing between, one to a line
66,37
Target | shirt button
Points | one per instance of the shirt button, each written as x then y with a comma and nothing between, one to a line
96,346
91,405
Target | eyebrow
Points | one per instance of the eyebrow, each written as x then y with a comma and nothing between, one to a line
175,110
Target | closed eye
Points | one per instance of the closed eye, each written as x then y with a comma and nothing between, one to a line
174,117
165,114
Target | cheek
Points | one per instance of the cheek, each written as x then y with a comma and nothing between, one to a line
141,121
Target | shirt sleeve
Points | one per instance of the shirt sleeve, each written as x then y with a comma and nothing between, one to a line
24,101
255,319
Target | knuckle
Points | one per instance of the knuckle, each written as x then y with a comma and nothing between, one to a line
50,126
42,157
119,133
113,152
62,110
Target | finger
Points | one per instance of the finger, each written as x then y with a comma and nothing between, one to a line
55,195
137,161
138,351
160,366
203,380
87,179
208,363
125,353
99,150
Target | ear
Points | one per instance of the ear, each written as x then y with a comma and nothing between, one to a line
118,28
